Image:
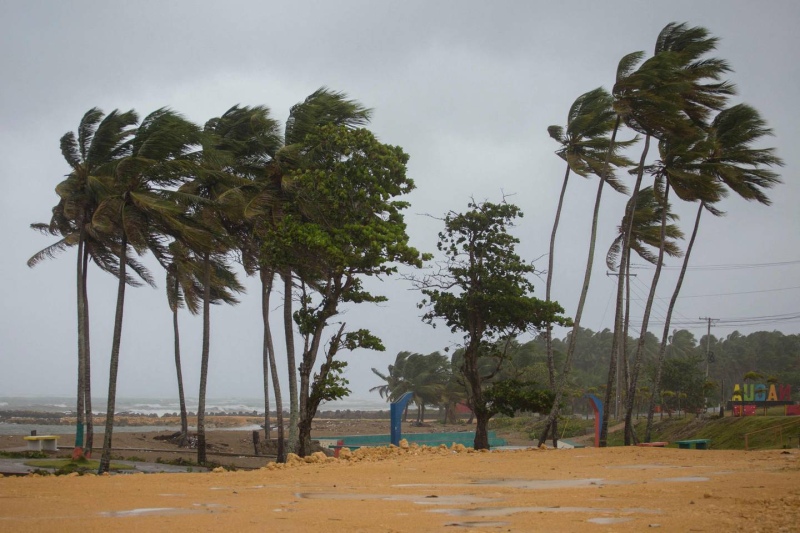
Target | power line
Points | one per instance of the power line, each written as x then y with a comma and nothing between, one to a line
741,321
730,266
730,293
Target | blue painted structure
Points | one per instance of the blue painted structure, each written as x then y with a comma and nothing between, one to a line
396,412
597,406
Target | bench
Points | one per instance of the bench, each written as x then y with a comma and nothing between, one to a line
653,444
699,444
42,442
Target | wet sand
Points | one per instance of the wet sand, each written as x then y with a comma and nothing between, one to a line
619,489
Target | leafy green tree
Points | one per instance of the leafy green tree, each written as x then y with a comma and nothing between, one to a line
100,142
322,107
346,224
482,291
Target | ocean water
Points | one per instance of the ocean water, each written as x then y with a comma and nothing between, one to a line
152,406
166,406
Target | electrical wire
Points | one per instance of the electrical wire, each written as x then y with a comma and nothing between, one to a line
731,266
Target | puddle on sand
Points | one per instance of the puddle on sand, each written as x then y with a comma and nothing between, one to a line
148,511
476,524
550,483
642,467
685,479
508,511
432,499
608,520
526,483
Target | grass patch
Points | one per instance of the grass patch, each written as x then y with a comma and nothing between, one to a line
725,433
23,455
567,426
68,466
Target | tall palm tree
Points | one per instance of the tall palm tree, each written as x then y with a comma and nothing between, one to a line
584,147
693,85
251,137
645,234
216,197
138,207
101,140
605,122
184,288
726,156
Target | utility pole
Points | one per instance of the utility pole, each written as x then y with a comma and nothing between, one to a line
708,320
620,354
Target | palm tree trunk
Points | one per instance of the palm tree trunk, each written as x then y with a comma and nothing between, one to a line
105,459
266,289
626,377
178,371
87,363
637,359
662,349
80,407
576,321
551,419
201,399
612,387
288,328
266,280
551,366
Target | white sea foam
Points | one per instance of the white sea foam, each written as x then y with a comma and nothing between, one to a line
163,406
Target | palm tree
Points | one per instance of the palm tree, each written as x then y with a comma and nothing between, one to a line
603,123
394,385
425,376
216,197
184,288
584,146
647,214
693,86
727,157
100,141
138,207
251,137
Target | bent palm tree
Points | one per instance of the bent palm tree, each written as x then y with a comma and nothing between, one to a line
584,147
100,141
250,136
606,122
692,84
138,207
645,234
726,156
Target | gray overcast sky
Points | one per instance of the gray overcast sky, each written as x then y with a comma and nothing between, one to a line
466,88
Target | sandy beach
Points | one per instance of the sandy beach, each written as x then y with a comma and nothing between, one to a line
410,488
612,489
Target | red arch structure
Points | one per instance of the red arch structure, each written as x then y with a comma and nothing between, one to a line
597,407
